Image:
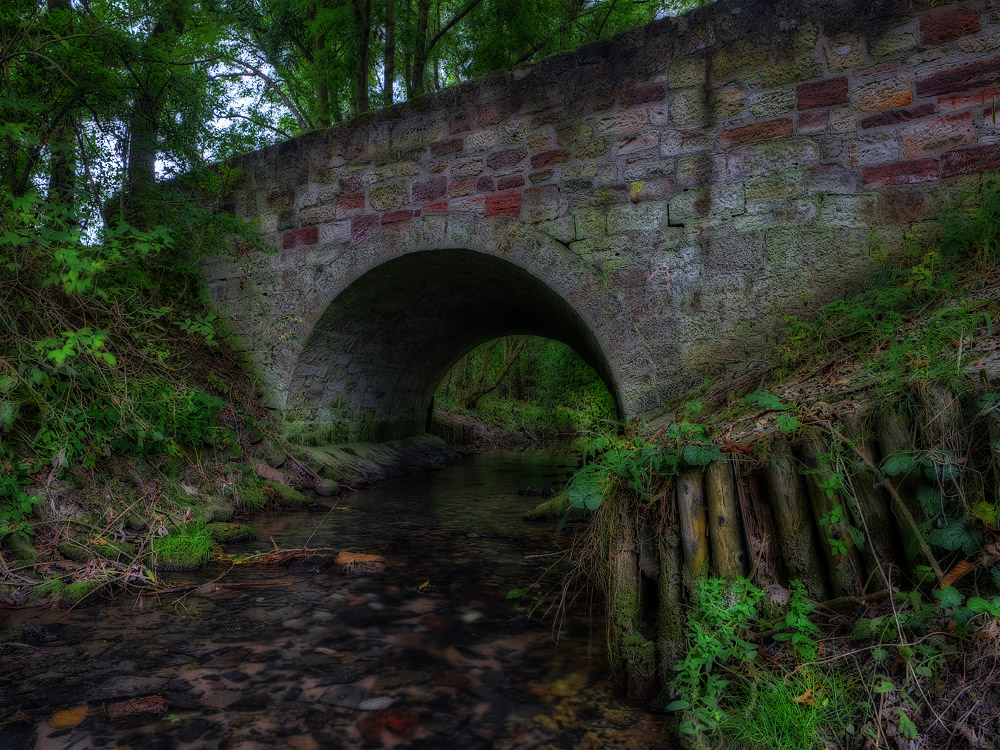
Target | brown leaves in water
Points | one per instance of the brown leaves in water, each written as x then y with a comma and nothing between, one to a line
68,718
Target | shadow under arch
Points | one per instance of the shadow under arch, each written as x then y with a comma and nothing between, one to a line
369,369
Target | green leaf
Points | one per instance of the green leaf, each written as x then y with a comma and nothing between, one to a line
899,463
906,727
765,400
949,598
700,455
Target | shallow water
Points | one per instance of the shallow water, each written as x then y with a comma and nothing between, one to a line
294,657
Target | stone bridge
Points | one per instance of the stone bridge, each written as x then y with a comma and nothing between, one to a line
659,201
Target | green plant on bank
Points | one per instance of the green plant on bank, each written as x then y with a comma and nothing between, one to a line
184,548
15,504
635,463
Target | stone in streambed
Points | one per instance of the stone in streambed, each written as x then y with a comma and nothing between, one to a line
147,708
347,696
230,533
326,488
286,496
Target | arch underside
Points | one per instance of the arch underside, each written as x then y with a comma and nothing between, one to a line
374,359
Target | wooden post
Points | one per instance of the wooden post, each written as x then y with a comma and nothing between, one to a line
669,615
759,528
838,547
883,543
728,555
693,515
797,539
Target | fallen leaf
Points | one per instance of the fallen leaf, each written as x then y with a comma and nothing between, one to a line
344,557
806,698
68,718
423,585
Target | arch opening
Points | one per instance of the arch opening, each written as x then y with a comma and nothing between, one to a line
369,370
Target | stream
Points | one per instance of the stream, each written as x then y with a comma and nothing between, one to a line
430,653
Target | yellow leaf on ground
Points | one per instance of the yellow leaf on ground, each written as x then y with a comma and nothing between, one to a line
806,698
423,585
68,718
344,557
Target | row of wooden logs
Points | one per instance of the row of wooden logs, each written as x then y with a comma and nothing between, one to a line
777,523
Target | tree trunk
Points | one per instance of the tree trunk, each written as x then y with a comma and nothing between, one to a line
362,31
416,87
390,52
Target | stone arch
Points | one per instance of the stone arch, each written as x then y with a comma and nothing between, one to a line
410,300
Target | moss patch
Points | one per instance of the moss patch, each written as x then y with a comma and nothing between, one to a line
189,548
287,497
554,509
74,593
229,533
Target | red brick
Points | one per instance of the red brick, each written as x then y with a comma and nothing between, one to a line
881,69
813,122
509,182
436,208
901,173
896,116
394,216
428,190
929,136
506,158
653,92
451,146
355,202
362,225
970,160
822,93
459,188
940,26
975,75
548,158
542,176
504,204
485,185
761,131
967,101
300,237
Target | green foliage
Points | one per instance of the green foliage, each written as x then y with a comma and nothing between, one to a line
185,548
528,383
15,504
725,698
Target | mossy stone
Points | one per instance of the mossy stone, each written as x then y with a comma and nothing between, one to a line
74,593
20,546
73,551
51,589
554,509
230,533
115,550
287,497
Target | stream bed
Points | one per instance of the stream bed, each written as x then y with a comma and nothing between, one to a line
430,653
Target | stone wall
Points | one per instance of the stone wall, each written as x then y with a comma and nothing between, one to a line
659,200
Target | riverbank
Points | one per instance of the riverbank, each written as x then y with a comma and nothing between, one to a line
122,528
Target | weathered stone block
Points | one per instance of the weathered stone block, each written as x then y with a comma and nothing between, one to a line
761,131
722,200
629,121
813,121
877,148
651,92
957,102
771,103
826,93
901,173
638,217
459,188
542,203
687,71
975,75
688,106
844,53
786,72
506,158
385,197
897,116
971,160
632,144
931,136
480,141
510,181
883,94
751,161
466,167
507,203
548,158
737,58
947,25
429,190
893,45
300,237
